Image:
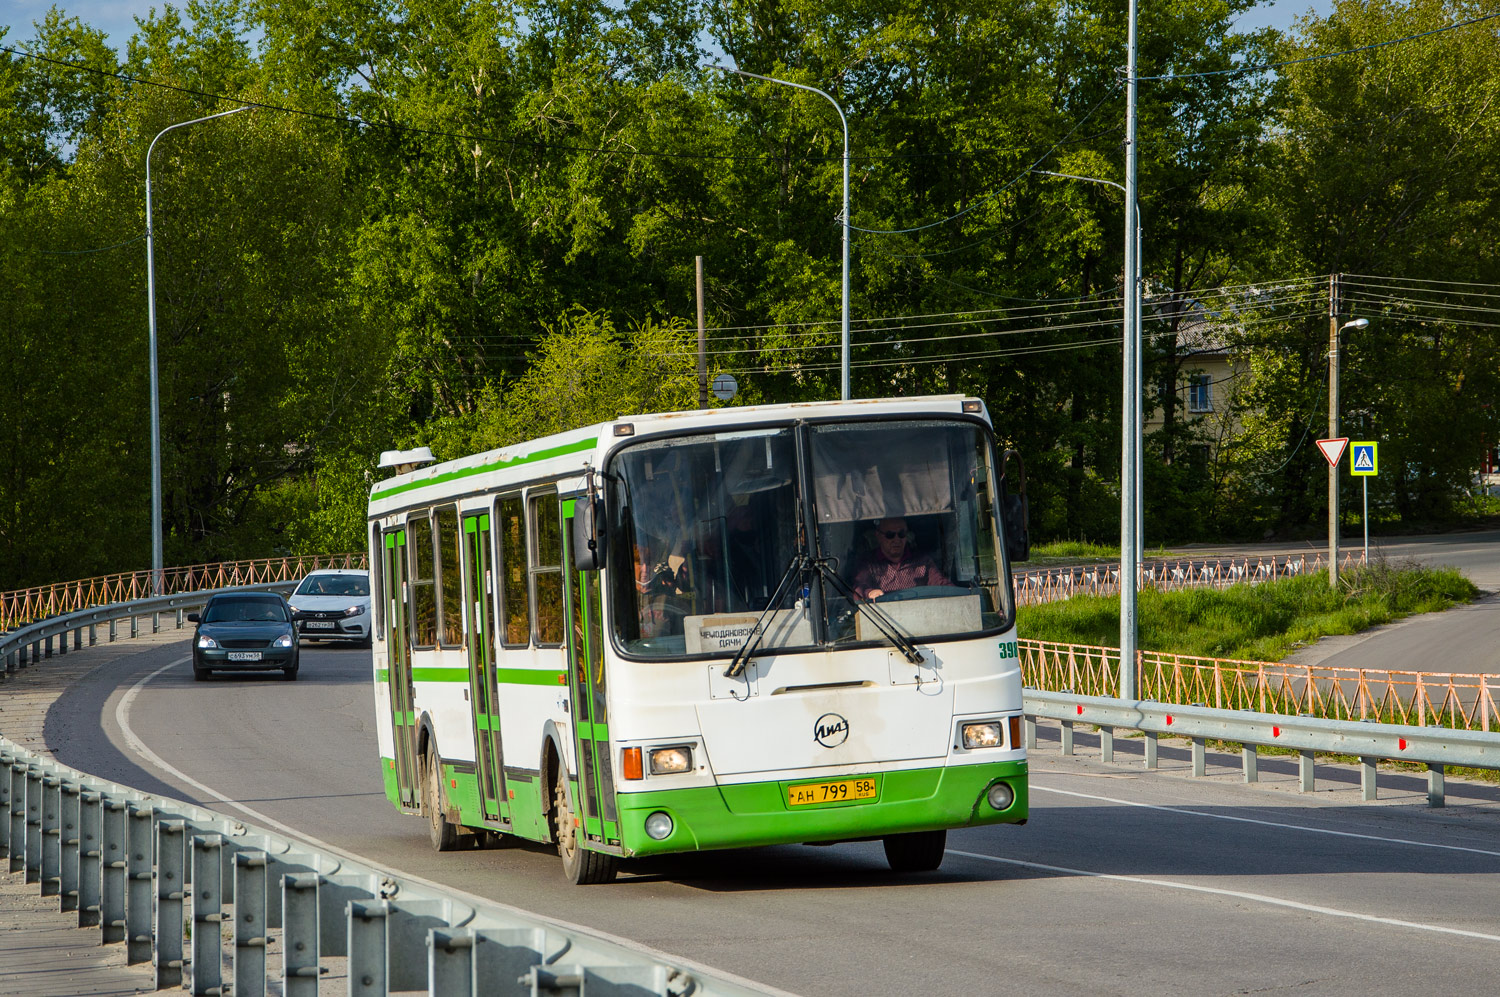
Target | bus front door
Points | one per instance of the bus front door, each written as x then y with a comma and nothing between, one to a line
479,596
398,670
596,783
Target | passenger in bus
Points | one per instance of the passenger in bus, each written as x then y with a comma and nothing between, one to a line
894,565
659,580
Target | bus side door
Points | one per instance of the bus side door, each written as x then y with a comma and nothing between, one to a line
479,596
398,670
596,783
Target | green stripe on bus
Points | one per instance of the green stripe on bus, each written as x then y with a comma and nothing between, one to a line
530,676
440,675
559,451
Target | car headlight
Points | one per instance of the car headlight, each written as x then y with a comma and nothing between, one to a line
204,640
285,640
354,610
985,734
670,761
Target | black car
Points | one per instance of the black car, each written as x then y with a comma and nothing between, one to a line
239,631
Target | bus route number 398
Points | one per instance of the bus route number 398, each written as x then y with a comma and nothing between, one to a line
844,790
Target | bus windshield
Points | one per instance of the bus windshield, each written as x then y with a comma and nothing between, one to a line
883,525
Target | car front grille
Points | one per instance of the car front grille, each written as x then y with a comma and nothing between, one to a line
242,643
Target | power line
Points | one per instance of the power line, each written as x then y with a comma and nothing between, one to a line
1315,58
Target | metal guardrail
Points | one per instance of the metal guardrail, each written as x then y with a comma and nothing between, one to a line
1458,700
168,878
1435,747
22,606
1038,585
192,891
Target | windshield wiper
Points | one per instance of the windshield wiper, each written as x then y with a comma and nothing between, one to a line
886,625
741,659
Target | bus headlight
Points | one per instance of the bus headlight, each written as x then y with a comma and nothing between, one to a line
659,826
671,761
985,734
1000,796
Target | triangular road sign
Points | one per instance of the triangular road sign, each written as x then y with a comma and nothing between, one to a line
1362,461
1333,449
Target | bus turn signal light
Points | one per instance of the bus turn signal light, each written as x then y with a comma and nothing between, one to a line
632,764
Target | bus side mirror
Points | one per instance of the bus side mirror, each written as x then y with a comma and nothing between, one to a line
588,534
1015,508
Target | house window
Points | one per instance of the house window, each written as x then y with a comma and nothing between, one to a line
1200,393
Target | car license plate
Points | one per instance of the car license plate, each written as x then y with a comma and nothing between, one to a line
243,655
318,624
842,791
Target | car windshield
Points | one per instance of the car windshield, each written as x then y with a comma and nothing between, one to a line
245,611
334,585
711,531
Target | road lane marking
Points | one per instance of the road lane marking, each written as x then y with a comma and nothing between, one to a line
1236,894
122,719
1268,823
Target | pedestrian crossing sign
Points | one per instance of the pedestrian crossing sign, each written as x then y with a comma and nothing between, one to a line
1363,459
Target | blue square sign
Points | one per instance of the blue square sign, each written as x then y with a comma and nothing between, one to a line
1363,459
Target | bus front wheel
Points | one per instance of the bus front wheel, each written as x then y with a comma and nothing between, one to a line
581,866
919,851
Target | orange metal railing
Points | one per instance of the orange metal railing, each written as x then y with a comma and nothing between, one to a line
22,606
1439,699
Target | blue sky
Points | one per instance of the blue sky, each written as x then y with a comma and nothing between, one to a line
114,17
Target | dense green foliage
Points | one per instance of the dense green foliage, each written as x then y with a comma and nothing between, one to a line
1261,622
463,224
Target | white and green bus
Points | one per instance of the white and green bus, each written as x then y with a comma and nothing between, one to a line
704,630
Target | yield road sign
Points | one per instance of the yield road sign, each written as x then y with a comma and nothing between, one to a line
1363,459
1333,449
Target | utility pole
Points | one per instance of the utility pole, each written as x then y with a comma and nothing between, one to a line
702,342
1333,428
1130,429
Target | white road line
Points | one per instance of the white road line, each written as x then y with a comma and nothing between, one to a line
122,718
1268,823
1236,894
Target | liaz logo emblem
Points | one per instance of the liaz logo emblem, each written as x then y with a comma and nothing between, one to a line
831,730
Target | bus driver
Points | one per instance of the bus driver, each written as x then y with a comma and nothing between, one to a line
893,565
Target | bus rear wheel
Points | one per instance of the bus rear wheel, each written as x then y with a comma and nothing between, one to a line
441,833
581,866
919,851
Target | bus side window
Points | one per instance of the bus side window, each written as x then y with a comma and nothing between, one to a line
423,569
515,601
546,567
451,600
377,582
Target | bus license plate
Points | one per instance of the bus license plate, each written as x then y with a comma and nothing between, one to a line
243,655
830,792
318,624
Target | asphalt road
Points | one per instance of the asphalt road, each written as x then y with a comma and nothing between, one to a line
1123,881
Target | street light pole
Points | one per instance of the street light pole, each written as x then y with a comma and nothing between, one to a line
156,513
1130,409
1334,331
844,341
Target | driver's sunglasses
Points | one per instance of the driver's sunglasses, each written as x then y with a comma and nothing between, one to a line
895,534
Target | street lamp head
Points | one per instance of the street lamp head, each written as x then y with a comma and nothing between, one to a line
1355,323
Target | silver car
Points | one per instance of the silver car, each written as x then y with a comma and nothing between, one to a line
334,605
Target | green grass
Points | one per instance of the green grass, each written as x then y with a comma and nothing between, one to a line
1059,550
1263,622
1080,550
